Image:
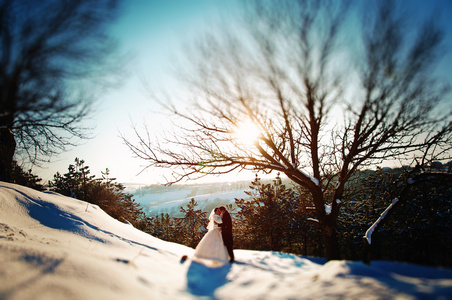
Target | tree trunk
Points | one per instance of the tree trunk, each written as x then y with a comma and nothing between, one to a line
8,109
327,222
7,149
330,241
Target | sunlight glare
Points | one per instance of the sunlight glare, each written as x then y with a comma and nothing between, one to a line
247,133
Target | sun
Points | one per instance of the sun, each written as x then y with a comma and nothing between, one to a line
247,132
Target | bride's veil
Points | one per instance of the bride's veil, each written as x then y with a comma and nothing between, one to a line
211,224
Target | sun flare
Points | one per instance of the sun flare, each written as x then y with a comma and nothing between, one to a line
247,133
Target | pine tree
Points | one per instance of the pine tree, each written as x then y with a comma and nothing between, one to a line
25,178
193,224
133,212
104,191
266,219
75,182
419,225
163,227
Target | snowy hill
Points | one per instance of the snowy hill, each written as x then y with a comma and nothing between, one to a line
55,247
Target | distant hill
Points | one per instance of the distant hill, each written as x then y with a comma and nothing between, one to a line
156,199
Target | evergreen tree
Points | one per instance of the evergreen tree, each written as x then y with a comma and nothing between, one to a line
104,191
366,196
277,218
25,178
419,225
134,213
193,225
75,182
264,220
163,227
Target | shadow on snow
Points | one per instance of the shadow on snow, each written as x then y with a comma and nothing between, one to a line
203,280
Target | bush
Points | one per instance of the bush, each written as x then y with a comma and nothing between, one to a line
104,191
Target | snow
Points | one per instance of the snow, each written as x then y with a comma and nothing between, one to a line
328,208
55,247
368,235
315,180
312,220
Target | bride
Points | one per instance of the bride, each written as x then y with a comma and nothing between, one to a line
211,245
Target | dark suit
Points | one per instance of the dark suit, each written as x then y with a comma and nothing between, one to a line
226,233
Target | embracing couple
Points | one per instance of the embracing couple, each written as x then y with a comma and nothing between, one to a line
217,242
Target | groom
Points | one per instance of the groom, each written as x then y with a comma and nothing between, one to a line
226,231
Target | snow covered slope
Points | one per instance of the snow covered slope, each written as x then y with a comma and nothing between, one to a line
55,247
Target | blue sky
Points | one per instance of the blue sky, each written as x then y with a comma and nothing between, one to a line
154,32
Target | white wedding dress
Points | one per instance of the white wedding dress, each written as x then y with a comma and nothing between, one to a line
211,245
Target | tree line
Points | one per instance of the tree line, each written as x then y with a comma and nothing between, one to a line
281,217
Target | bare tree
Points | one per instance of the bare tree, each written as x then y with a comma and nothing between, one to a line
50,53
324,104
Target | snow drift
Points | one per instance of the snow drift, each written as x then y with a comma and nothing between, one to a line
55,247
